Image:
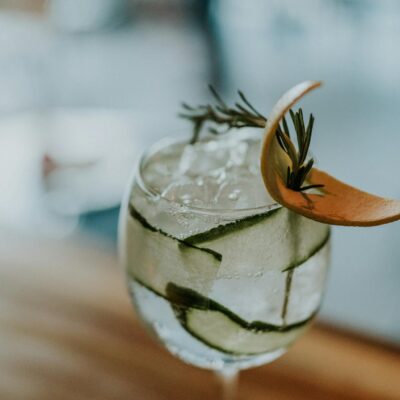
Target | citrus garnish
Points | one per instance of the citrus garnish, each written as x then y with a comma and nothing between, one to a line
335,202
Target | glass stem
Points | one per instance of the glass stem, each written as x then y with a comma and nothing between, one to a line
229,381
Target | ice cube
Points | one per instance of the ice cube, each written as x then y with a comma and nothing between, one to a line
202,158
254,195
205,158
222,173
237,154
192,192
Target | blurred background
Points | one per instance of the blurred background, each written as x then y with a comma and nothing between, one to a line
84,88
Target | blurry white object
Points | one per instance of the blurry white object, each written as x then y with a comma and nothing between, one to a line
41,67
21,205
87,15
89,153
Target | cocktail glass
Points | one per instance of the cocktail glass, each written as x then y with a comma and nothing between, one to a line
222,276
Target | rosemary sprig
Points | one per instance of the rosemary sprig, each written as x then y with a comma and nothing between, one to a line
241,115
297,173
244,114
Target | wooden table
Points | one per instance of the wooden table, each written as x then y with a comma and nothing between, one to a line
67,331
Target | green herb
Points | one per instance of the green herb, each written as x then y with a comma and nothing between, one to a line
297,173
243,114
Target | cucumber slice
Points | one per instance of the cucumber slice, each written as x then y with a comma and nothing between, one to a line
155,258
185,271
277,239
219,332
225,229
182,243
257,258
221,329
312,252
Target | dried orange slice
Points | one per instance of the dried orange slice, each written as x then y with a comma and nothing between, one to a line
336,203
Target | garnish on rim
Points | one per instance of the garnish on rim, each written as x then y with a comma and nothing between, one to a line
338,203
297,172
243,114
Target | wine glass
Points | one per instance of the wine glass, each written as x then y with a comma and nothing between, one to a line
222,276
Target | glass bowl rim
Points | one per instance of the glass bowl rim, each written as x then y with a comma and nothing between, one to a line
154,194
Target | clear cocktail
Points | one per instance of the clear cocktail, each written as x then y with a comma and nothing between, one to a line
222,275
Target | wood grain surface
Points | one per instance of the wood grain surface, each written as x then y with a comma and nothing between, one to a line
68,331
